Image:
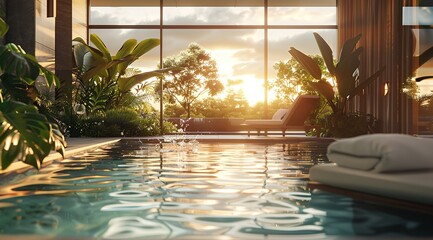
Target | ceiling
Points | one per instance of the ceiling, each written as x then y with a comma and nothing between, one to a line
212,3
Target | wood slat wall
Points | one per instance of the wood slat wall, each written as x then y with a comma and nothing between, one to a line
386,43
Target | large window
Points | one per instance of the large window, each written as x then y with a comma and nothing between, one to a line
419,20
245,37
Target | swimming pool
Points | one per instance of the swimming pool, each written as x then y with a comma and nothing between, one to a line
135,190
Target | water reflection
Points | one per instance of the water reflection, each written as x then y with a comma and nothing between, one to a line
135,190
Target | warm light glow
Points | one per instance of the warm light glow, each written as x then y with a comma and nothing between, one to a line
386,89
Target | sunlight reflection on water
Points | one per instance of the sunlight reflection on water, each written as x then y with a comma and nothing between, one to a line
137,190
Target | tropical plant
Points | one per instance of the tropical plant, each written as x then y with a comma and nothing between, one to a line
25,134
292,79
196,75
346,78
102,78
122,123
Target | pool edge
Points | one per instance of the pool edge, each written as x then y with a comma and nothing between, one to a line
79,145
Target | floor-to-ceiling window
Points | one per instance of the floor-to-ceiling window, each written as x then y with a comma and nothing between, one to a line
245,37
419,19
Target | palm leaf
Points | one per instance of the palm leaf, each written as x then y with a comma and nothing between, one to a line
307,62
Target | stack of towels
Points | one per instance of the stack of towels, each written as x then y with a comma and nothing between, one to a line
383,153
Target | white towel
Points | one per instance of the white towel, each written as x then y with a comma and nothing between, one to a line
383,152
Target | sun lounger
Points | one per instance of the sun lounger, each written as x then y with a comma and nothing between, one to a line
390,165
286,119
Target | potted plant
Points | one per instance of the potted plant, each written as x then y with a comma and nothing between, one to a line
341,122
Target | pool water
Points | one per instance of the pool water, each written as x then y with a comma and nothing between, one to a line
136,190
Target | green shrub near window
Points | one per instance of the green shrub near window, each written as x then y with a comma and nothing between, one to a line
122,123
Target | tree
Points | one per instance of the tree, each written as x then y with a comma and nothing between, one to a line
292,78
195,75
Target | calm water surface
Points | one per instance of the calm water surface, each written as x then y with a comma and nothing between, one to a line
135,190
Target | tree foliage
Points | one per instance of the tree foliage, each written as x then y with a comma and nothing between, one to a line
292,78
196,76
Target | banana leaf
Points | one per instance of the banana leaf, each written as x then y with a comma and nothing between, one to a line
307,62
325,89
326,52
145,46
344,73
126,84
348,47
101,46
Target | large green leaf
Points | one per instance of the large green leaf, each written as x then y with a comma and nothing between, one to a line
50,78
80,50
92,67
348,47
126,84
14,87
15,63
57,140
344,73
145,46
24,134
101,46
126,48
326,52
96,53
307,62
325,89
4,27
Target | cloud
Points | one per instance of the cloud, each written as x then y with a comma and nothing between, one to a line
241,48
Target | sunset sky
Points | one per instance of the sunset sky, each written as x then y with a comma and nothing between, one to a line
239,53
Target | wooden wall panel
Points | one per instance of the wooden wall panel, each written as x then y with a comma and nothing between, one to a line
79,19
45,35
386,43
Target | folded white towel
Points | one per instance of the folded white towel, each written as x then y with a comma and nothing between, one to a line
383,152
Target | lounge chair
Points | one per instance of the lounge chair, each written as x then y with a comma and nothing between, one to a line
395,166
286,119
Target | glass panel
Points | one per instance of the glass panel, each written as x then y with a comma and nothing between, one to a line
302,16
418,16
302,3
280,42
124,15
238,53
424,41
114,39
213,16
